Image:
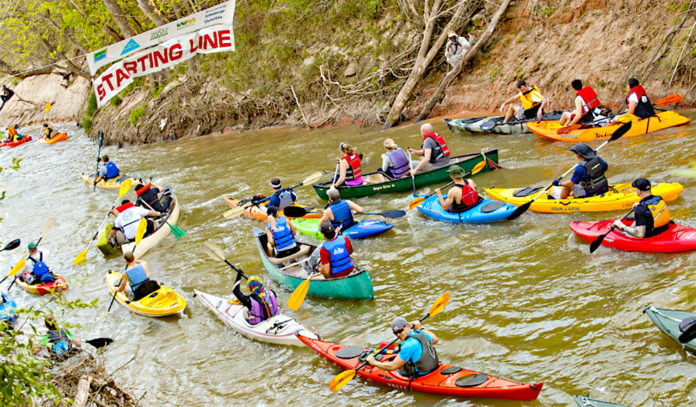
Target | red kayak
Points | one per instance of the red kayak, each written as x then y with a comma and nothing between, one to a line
447,380
15,143
677,238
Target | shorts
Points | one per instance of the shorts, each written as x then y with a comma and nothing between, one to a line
525,114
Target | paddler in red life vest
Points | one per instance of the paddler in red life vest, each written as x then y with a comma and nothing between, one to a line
338,211
127,222
651,213
348,166
135,280
107,171
462,196
587,106
416,356
150,194
435,152
395,162
261,304
533,103
637,101
335,253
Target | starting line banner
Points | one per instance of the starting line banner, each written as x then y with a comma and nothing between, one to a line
164,55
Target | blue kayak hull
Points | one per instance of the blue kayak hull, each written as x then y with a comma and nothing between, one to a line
481,213
361,230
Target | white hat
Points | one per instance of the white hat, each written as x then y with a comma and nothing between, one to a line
452,34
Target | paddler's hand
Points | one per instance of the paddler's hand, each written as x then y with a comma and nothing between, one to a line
502,107
539,114
439,193
618,224
371,359
416,325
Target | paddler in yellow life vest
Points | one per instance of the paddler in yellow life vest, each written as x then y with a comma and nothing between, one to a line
47,132
651,213
533,103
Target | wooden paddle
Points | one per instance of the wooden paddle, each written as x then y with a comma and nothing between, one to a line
176,231
100,141
344,377
298,212
523,208
418,200
125,186
234,212
410,165
139,234
598,241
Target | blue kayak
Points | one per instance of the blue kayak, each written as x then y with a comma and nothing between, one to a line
485,211
8,313
360,230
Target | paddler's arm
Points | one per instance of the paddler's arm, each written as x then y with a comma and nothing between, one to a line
326,217
124,280
342,169
542,108
392,365
325,257
238,292
144,264
352,205
507,102
444,203
426,159
577,112
635,231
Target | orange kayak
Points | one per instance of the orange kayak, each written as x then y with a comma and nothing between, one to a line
58,137
549,129
259,212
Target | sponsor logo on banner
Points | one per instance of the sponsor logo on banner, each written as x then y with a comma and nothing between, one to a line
130,46
182,24
160,32
99,55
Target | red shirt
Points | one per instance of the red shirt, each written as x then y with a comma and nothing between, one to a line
326,256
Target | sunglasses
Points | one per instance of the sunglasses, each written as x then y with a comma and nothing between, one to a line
398,331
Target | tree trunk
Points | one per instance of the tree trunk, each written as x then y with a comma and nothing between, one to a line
487,34
148,7
82,393
119,17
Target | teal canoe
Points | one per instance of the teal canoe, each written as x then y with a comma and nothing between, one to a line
466,161
668,320
583,401
356,286
360,230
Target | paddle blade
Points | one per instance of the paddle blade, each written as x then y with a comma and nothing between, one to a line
393,213
295,211
621,131
17,267
50,222
12,245
125,186
214,251
478,167
99,342
414,203
80,257
439,304
598,241
233,213
177,231
520,210
311,179
670,100
298,296
47,107
100,139
341,380
140,233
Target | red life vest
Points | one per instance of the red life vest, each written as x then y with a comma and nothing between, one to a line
643,108
440,140
353,172
125,206
469,195
589,99
142,190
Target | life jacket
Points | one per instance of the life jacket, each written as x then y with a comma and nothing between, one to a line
129,216
342,214
353,173
597,182
137,276
150,196
13,132
400,162
58,342
589,99
526,97
111,170
47,132
644,108
125,206
469,198
428,360
40,271
441,150
340,258
285,197
282,234
658,209
263,306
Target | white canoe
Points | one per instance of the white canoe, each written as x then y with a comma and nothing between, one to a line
160,234
280,329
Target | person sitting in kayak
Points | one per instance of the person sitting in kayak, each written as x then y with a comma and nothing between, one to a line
137,283
280,234
281,198
127,222
6,314
12,134
533,103
462,196
434,150
334,253
588,178
395,162
416,354
35,270
637,101
261,304
651,213
108,170
587,106
47,132
338,211
7,93
149,197
349,171
57,340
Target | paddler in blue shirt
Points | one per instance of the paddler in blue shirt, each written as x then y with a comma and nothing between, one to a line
588,177
137,278
281,198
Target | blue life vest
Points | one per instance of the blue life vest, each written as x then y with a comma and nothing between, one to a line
284,198
282,235
262,308
400,162
343,216
340,258
111,170
7,309
60,342
137,276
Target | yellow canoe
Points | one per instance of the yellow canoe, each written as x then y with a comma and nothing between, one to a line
110,184
160,303
619,197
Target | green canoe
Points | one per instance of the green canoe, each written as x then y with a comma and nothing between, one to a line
667,320
583,401
356,286
466,161
103,243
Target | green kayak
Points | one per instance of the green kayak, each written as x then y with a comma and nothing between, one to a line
583,401
103,243
668,320
359,230
367,188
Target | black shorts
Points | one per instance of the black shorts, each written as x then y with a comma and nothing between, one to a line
531,112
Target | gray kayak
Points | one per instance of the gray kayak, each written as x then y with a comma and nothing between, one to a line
494,124
584,401
668,320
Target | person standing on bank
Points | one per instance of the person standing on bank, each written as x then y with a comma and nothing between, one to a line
456,48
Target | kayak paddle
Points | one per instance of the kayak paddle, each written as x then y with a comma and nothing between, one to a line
176,231
344,377
523,208
50,222
100,141
11,245
418,200
298,212
139,234
234,212
598,241
17,267
99,342
125,186
216,253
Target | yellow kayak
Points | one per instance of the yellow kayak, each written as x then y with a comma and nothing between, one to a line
549,129
110,184
161,303
619,197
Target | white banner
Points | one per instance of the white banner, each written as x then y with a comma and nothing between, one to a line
222,14
162,56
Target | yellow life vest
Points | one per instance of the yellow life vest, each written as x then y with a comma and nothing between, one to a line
659,211
527,97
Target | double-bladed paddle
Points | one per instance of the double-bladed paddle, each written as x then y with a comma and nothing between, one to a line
139,234
344,377
523,208
16,269
598,241
418,200
48,225
298,212
234,212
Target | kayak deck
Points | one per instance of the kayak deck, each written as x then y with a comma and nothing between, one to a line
668,320
114,184
42,289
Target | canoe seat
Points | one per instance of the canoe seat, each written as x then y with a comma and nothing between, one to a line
525,192
491,206
472,380
304,249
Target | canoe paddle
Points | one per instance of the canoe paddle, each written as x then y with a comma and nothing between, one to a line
615,136
344,377
100,142
298,212
410,165
418,200
298,296
598,241
139,234
125,186
176,231
215,253
234,212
